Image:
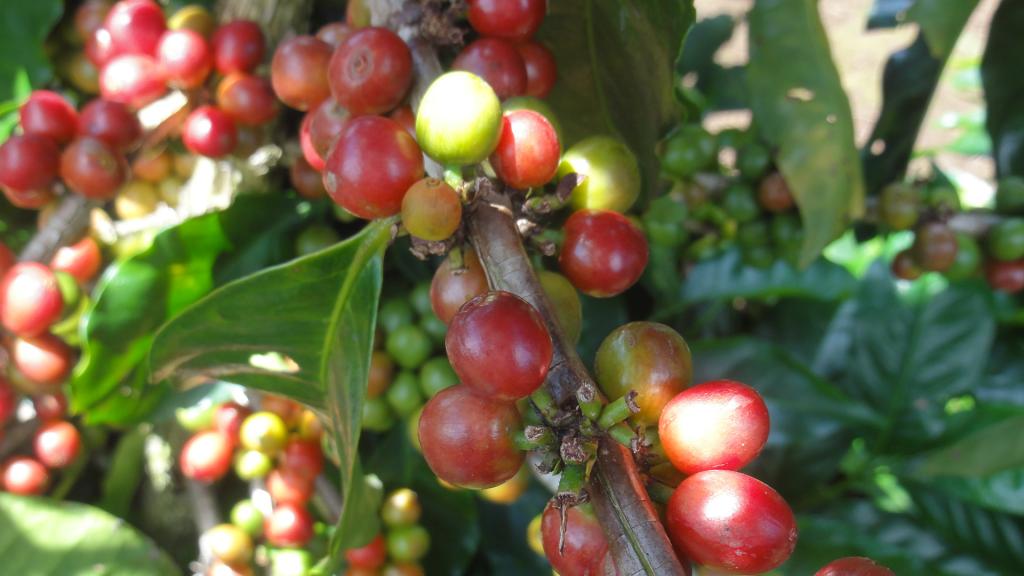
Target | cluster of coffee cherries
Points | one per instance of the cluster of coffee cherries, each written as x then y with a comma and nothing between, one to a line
399,549
55,444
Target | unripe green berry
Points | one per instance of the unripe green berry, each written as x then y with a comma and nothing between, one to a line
409,346
612,175
459,119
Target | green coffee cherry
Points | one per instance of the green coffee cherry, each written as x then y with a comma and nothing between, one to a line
612,175
404,394
394,313
968,258
1006,240
420,299
377,416
315,238
246,516
663,221
740,202
1010,195
408,543
436,374
401,508
752,160
409,346
459,119
252,464
688,151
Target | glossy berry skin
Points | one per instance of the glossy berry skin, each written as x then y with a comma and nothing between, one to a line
528,151
237,46
512,19
371,71
854,566
111,122
497,62
467,438
302,457
185,58
47,113
29,199
334,33
401,508
264,431
209,131
289,487
30,299
773,193
50,406
603,254
89,17
45,359
541,68
584,548
731,521
82,260
431,210
905,267
93,168
24,476
315,159
326,124
408,543
372,166
247,99
132,79
899,206
298,71
229,544
369,557
934,247
649,358
499,346
228,418
720,425
135,26
1005,277
206,456
28,162
56,444
611,170
289,526
459,119
8,401
1006,240
454,286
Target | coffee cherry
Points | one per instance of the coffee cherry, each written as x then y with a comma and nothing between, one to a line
229,544
47,113
528,150
408,543
298,71
303,458
252,464
29,199
89,17
537,105
24,476
289,487
467,438
288,410
541,68
381,369
565,303
28,162
30,299
8,401
185,59
132,79
459,119
136,199
773,193
228,418
612,175
730,521
453,286
854,566
334,33
206,456
603,254
752,160
195,418
135,26
111,122
56,444
369,557
934,246
247,517
371,71
401,508
968,258
49,407
689,150
1006,240
436,374
582,550
516,20
497,62
208,131
326,123
377,415
289,526
263,431
1010,195
153,164
404,395
248,100
899,206
649,358
905,266
394,313
406,118
431,210
93,168
1005,277
315,238
716,425
237,46
306,180
499,346
509,491
99,48
403,569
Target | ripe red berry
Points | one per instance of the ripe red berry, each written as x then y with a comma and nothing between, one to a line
467,439
208,131
7,260
334,33
48,114
289,487
541,68
731,521
8,401
528,152
513,19
431,210
50,406
715,425
82,260
854,566
289,526
237,46
496,61
405,116
371,71
228,418
28,162
453,286
89,17
905,267
29,199
184,57
603,254
44,360
99,48
306,180
56,444
303,458
206,456
369,557
135,26
499,346
132,79
30,299
111,122
23,475
93,168
583,549
246,99
370,168
773,193
326,123
299,71
1005,277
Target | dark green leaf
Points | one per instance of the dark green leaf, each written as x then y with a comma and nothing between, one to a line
941,22
1004,87
703,41
1000,492
23,29
600,317
125,473
1005,374
992,449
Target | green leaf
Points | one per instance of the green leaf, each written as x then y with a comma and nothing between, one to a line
941,22
1004,87
992,449
125,473
703,41
1000,492
40,536
801,110
616,62
23,30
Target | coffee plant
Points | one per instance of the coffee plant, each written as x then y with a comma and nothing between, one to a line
480,287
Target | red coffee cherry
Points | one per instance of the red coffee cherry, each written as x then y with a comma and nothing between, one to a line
467,438
1005,277
326,123
603,254
289,487
854,566
29,199
369,557
934,247
82,260
334,33
209,131
8,401
47,113
405,116
153,164
228,418
206,456
56,444
135,26
303,458
7,260
431,210
237,46
583,550
528,151
248,100
513,19
299,71
28,162
370,168
905,267
185,58
132,79
541,68
499,346
99,48
111,122
23,475
30,299
730,521
50,406
496,61
290,526
371,71
715,425
45,359
773,193
453,286
306,180
93,168
89,17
